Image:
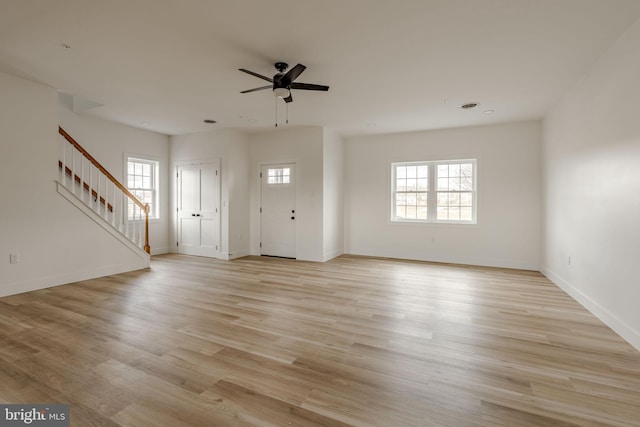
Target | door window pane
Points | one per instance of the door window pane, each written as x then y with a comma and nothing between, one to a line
277,176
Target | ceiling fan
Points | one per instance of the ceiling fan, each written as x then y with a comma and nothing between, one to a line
283,83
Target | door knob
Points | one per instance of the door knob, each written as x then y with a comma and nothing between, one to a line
293,211
197,214
293,217
193,214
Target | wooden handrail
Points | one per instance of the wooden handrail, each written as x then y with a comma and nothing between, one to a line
100,167
125,190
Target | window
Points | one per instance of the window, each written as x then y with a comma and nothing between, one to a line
142,182
439,191
279,176
455,191
411,191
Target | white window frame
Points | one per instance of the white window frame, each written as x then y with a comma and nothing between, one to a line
432,192
274,179
154,213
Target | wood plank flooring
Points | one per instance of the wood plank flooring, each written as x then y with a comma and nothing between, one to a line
355,341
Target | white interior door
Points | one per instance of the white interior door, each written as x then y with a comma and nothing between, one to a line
198,188
188,205
209,210
278,210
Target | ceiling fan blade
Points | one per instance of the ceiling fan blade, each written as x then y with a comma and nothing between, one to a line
309,86
289,98
293,73
260,76
257,88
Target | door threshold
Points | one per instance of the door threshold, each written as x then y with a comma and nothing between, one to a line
276,256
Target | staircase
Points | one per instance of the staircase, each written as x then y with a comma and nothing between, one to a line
93,190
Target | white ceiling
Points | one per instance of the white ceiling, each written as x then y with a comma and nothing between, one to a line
393,66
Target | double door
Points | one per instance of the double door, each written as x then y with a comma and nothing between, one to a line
198,190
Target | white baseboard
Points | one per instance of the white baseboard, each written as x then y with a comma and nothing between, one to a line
69,277
482,262
332,254
619,326
236,254
160,251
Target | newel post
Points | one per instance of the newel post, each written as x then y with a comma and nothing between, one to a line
147,248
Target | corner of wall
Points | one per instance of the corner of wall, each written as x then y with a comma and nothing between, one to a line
590,153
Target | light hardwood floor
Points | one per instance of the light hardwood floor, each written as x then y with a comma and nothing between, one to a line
354,341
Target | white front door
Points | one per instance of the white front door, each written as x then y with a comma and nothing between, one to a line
198,209
278,210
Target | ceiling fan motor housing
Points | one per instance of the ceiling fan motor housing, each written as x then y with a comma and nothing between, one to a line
281,66
279,82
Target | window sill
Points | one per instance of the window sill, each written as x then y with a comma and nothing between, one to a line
435,223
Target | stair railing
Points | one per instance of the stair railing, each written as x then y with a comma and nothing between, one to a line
91,182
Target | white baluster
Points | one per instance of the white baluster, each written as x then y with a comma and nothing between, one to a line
82,178
113,206
103,208
64,165
122,211
128,221
90,184
133,224
125,214
73,170
61,159
98,192
137,225
106,199
140,226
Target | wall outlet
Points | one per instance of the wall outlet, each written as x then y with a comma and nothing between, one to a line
14,258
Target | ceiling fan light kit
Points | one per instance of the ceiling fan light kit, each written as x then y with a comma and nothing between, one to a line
281,92
282,83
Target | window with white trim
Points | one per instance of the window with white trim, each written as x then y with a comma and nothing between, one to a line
434,191
142,182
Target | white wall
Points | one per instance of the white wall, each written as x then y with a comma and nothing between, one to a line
109,143
333,195
57,243
231,147
303,146
591,169
238,176
508,230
